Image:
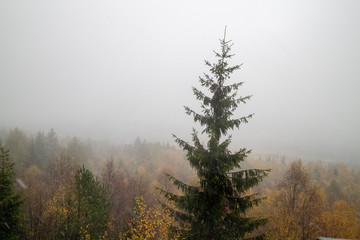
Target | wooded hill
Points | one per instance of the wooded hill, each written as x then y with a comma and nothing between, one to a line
81,189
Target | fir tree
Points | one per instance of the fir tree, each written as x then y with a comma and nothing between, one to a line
216,208
10,202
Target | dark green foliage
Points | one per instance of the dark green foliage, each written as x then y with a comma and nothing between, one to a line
92,200
216,209
10,202
87,206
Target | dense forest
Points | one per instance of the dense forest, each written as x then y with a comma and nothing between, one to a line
72,188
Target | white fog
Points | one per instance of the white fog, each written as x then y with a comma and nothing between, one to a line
118,70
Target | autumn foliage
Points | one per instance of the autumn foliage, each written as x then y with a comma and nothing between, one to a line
303,199
149,222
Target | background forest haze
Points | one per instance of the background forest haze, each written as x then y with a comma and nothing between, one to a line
95,142
117,70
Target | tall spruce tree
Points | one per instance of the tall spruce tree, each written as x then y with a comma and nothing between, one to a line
216,208
10,201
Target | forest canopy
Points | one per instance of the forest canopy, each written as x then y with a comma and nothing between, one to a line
129,171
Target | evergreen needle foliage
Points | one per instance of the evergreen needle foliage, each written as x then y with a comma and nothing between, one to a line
10,202
216,208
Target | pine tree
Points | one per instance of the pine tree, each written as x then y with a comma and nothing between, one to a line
10,202
216,208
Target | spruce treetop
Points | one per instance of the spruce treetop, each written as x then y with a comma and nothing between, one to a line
218,109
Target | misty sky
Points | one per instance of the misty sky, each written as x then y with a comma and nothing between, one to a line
121,69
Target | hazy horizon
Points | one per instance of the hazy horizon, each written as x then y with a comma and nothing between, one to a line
118,70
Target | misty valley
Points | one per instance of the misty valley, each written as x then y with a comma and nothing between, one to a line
128,176
96,141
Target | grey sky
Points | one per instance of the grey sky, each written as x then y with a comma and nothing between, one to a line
122,69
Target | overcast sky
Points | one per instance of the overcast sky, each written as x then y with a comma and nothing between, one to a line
121,69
